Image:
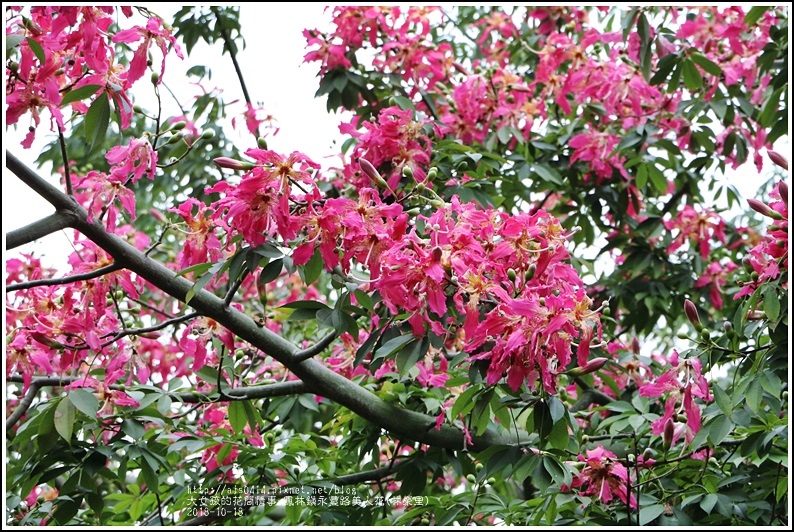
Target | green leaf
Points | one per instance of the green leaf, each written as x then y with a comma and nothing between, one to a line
542,418
754,395
150,477
722,399
65,510
12,41
719,428
392,346
650,512
644,33
200,268
311,270
64,418
692,78
706,64
559,437
557,471
38,51
755,14
547,173
80,94
465,401
96,122
208,373
769,111
271,272
556,409
237,417
707,502
134,429
663,68
85,401
411,354
771,305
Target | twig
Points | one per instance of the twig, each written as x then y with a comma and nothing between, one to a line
231,47
66,174
110,268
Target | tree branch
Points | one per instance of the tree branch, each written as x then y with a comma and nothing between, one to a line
261,391
38,229
317,348
24,405
110,268
320,379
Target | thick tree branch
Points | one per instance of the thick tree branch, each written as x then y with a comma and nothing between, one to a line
38,229
99,272
323,381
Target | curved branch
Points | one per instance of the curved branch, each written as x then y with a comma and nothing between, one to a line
317,348
38,229
110,268
320,379
24,405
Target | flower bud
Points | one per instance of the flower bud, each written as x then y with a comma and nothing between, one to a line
178,125
207,134
408,173
233,164
778,159
748,265
763,208
530,272
635,345
511,274
155,78
692,314
669,433
371,172
782,187
432,173
262,143
157,215
437,204
174,139
590,367
728,328
137,108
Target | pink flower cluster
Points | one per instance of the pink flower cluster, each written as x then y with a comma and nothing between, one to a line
769,259
64,48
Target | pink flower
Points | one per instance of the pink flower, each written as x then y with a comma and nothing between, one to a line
603,477
153,33
683,381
